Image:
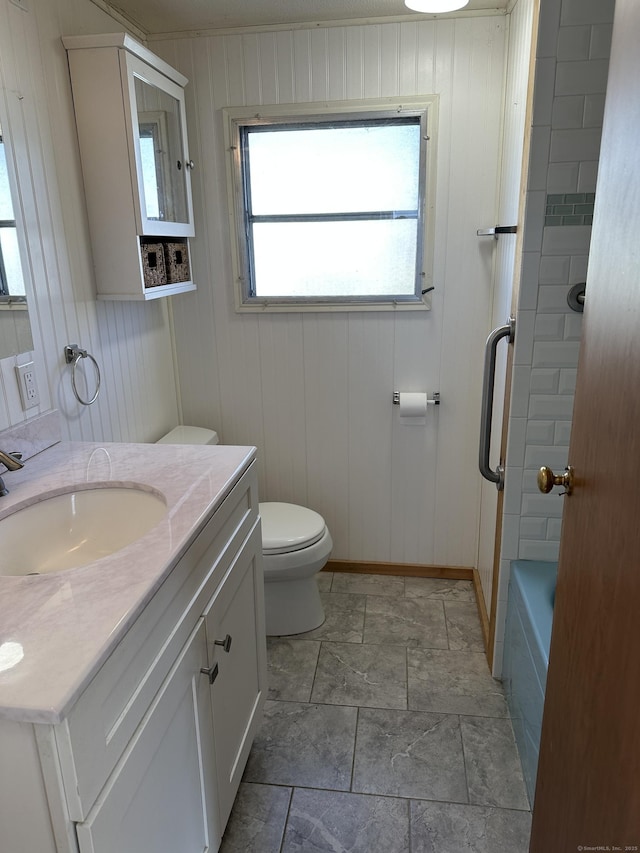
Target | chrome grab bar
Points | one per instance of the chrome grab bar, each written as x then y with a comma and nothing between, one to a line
486,416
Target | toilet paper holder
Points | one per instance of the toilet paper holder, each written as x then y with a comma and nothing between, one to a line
431,401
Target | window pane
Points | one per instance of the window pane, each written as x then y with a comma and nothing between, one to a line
329,170
373,258
6,208
11,259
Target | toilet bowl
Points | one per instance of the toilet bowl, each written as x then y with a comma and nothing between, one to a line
296,545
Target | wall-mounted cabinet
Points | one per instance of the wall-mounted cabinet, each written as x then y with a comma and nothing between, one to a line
132,132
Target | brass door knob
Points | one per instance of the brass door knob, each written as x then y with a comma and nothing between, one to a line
547,480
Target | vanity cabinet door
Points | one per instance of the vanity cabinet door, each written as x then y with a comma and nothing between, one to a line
160,164
161,796
236,642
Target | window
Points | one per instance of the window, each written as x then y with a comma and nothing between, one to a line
329,208
11,281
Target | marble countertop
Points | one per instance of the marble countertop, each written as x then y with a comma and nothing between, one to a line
58,629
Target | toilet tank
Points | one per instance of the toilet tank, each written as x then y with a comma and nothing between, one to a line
189,435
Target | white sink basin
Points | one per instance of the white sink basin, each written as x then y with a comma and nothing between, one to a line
76,528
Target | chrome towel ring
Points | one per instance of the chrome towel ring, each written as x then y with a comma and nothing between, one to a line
72,355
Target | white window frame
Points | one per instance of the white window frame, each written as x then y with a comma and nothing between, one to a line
235,118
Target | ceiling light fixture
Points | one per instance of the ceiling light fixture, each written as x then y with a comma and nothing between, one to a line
434,7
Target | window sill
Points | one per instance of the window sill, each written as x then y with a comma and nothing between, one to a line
266,307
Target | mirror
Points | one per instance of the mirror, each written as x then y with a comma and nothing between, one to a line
161,147
15,328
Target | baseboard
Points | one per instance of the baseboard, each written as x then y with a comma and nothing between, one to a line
411,570
482,608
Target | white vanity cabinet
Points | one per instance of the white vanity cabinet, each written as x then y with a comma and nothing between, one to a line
132,133
150,757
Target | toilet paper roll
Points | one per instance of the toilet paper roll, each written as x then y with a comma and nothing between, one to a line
413,407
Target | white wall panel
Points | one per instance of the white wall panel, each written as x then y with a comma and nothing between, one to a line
371,420
132,343
326,408
314,391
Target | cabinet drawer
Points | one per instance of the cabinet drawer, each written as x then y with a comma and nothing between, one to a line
94,736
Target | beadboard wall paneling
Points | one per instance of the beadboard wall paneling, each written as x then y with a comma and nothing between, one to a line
314,391
131,342
504,252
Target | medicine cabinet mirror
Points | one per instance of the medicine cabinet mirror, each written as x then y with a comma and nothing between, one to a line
163,178
15,328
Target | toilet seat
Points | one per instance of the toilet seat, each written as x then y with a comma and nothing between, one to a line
287,528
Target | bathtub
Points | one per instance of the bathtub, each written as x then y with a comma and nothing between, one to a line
526,656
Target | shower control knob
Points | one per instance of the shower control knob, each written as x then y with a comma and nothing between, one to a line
547,480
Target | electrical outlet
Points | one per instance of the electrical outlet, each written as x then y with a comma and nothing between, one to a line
27,384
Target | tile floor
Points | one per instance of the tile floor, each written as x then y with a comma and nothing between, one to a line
384,731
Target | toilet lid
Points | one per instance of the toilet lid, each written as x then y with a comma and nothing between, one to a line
288,527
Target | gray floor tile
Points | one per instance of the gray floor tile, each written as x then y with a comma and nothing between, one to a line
364,675
451,828
463,626
331,821
258,819
453,682
301,744
409,754
325,579
447,590
292,667
413,623
344,618
386,585
494,773
333,727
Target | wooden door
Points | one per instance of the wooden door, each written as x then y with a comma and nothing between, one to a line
588,787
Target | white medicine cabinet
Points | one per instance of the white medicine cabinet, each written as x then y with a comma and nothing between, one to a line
132,133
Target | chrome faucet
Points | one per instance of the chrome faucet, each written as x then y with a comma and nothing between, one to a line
12,462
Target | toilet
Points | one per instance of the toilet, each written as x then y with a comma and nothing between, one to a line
296,545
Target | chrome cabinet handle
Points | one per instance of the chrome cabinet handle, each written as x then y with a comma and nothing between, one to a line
211,672
486,416
226,643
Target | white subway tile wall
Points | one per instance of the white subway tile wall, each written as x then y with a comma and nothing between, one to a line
570,83
574,12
